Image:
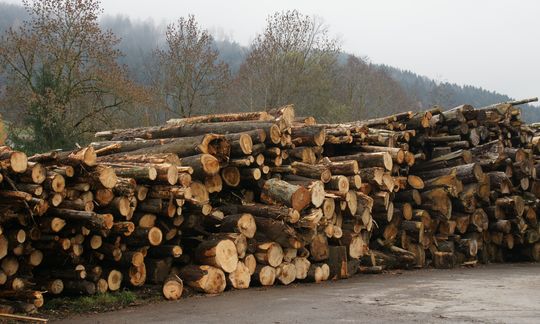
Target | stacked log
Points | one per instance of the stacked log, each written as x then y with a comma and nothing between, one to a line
385,189
478,203
263,198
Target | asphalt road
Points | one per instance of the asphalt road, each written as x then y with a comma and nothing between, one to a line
508,293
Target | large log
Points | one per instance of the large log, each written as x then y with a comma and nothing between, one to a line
279,232
316,187
202,164
190,130
286,273
172,288
261,210
218,253
366,160
347,167
264,275
437,201
97,221
128,159
293,196
239,223
318,248
466,173
204,278
317,171
85,156
397,154
14,161
239,278
308,135
187,146
214,118
269,253
491,153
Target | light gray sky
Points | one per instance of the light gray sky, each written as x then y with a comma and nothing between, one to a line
494,44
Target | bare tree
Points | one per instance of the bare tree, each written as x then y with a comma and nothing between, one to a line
63,81
292,61
190,77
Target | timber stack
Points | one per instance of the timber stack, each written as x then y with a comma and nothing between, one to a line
479,198
264,198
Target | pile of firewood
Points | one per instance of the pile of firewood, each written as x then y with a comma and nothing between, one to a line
236,200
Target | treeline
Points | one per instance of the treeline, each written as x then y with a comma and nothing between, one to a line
67,73
425,92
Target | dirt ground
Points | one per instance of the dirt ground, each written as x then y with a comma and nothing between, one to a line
508,293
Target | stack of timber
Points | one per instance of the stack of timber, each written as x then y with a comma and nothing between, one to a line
480,194
263,198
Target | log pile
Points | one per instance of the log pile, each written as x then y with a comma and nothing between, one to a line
264,198
479,197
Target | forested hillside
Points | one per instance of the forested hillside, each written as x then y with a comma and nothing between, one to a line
182,69
426,92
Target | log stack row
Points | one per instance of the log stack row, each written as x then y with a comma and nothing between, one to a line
236,200
480,196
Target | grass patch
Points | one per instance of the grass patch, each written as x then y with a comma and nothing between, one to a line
62,307
98,302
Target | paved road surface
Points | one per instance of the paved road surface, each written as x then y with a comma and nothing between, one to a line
507,293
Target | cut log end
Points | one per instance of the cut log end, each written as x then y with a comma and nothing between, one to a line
246,143
18,162
107,177
266,275
231,176
241,277
286,273
155,236
114,280
226,255
247,226
210,164
173,288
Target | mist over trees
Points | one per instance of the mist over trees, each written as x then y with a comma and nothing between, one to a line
124,73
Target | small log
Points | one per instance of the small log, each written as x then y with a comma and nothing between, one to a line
269,253
286,273
264,275
172,288
13,161
204,278
239,278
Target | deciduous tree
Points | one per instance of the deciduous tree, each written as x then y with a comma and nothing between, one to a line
292,61
190,78
63,79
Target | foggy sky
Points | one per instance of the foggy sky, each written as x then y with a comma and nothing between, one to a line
489,43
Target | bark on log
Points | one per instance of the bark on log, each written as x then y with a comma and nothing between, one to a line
218,253
204,278
293,196
366,160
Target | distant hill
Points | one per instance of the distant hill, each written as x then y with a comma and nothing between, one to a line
11,15
427,92
139,38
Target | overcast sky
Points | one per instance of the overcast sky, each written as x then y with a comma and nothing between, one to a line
494,44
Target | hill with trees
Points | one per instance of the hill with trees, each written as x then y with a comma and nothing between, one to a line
143,73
